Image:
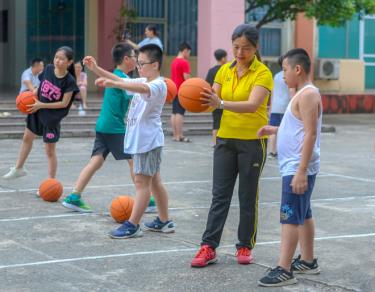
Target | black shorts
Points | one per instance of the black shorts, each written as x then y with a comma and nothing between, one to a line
216,115
50,135
177,107
110,143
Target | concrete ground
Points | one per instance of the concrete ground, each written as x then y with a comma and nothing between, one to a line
44,247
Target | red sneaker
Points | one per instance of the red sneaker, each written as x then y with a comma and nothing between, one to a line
244,256
206,255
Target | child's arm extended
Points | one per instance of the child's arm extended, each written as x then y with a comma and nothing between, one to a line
128,85
90,62
53,105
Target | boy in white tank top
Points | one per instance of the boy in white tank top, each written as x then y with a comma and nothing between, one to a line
299,161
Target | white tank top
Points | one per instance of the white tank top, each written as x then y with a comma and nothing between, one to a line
290,138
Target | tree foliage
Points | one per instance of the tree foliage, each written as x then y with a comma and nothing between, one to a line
326,12
126,18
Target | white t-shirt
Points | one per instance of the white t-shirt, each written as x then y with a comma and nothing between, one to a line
144,130
280,94
28,75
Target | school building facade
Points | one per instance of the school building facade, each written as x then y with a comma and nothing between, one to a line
344,57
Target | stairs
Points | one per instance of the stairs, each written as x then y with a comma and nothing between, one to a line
12,122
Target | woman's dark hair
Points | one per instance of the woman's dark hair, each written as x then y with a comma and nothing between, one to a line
69,54
280,61
250,33
152,28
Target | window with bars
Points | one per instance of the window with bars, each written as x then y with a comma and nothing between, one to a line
52,24
269,34
176,21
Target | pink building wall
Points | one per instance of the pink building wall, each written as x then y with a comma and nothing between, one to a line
216,22
305,36
107,15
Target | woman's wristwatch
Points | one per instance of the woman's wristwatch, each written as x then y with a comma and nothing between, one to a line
221,106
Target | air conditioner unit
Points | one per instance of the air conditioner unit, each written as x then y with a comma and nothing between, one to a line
328,69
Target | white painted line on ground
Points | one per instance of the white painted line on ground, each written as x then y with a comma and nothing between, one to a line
131,184
350,177
45,217
176,209
155,252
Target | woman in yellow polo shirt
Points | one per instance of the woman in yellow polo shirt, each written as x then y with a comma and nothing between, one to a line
242,89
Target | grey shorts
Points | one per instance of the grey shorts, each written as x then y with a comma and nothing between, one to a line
147,163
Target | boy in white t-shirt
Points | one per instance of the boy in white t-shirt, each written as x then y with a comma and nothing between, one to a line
144,139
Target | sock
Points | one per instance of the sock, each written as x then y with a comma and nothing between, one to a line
152,201
74,191
76,195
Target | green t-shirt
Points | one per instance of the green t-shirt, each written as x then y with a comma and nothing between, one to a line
114,108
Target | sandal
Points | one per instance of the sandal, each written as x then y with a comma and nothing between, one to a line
184,139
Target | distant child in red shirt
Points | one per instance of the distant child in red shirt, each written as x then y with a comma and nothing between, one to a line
180,71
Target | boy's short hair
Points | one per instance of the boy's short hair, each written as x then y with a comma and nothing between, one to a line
35,61
220,54
153,52
119,51
300,57
184,45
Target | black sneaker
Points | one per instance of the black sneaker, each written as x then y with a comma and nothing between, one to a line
277,277
301,267
272,155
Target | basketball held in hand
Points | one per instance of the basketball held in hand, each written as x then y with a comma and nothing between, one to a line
189,95
24,99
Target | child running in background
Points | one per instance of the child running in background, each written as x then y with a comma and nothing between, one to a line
55,97
110,127
144,139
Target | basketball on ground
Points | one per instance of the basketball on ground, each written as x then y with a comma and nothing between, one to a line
121,208
50,190
171,90
24,99
189,94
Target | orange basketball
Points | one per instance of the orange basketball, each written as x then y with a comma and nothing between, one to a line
171,90
24,99
50,190
121,208
189,94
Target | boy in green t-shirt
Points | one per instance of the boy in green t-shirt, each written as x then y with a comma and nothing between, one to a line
110,128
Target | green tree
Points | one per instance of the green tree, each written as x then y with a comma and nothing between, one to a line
326,12
124,21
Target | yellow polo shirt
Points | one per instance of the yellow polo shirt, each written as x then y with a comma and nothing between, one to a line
243,125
